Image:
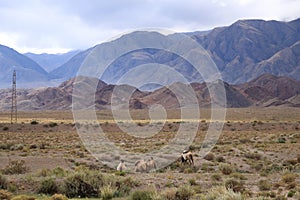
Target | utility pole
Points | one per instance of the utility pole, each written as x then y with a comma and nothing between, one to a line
14,99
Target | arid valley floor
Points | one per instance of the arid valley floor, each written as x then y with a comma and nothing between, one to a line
256,157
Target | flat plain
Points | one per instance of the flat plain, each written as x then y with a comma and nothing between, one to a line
256,157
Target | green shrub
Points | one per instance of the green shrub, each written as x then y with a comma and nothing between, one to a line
220,159
53,124
216,177
34,122
281,140
124,186
141,195
225,169
3,182
48,186
169,194
220,192
16,167
107,192
184,193
291,193
264,185
6,146
289,178
83,184
192,182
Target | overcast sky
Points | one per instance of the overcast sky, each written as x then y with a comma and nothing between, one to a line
54,26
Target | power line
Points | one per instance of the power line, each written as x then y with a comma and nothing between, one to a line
14,99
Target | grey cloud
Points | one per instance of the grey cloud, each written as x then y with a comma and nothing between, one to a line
81,24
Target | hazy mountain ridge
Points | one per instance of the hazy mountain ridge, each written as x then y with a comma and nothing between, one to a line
51,61
266,90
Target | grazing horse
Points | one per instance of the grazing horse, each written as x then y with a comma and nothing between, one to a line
151,165
140,166
121,167
187,157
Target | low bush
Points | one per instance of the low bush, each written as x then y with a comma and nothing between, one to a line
264,185
16,167
220,159
192,182
53,124
107,192
236,186
210,156
5,195
23,197
83,184
288,178
48,186
169,193
184,193
34,122
220,192
58,197
141,195
281,140
254,156
291,193
216,177
124,186
3,182
225,169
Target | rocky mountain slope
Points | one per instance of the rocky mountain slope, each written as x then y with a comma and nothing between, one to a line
249,48
242,51
266,90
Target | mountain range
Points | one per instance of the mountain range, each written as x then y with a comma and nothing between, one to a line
264,91
244,53
51,61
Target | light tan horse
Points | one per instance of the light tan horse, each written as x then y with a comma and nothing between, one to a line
140,166
121,167
151,165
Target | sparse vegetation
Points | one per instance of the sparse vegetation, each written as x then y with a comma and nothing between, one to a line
250,161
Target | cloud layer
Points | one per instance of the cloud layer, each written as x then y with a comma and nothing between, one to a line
56,26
